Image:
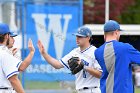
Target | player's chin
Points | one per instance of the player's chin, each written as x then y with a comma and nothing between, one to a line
78,44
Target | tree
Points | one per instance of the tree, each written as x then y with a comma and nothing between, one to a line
132,14
94,10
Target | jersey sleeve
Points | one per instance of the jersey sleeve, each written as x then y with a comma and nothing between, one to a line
97,66
64,60
10,65
134,54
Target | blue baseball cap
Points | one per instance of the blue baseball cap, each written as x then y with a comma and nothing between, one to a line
83,32
4,29
111,25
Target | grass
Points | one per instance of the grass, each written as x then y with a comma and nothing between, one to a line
50,85
42,85
137,90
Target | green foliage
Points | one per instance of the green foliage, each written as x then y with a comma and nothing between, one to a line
132,14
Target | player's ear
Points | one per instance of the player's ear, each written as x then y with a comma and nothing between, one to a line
115,33
88,38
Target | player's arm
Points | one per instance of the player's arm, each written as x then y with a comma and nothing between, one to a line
28,59
95,70
15,82
133,54
96,73
52,61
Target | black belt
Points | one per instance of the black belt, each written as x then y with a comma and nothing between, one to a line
89,87
84,88
4,88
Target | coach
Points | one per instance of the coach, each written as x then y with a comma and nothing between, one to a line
115,59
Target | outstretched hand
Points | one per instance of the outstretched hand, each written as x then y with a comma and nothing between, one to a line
31,46
41,47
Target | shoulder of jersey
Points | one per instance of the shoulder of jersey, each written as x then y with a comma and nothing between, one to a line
5,51
93,48
121,44
75,49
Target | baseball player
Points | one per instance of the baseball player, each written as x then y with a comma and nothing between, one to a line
115,59
87,79
10,65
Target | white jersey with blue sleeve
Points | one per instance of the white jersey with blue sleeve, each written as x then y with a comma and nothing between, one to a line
8,66
83,78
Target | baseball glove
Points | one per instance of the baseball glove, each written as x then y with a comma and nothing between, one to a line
74,66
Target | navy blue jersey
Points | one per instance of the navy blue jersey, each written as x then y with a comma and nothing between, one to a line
115,59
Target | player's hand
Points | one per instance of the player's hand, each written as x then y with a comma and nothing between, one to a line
75,65
41,47
31,46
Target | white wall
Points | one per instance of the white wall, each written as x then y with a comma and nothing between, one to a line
97,29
